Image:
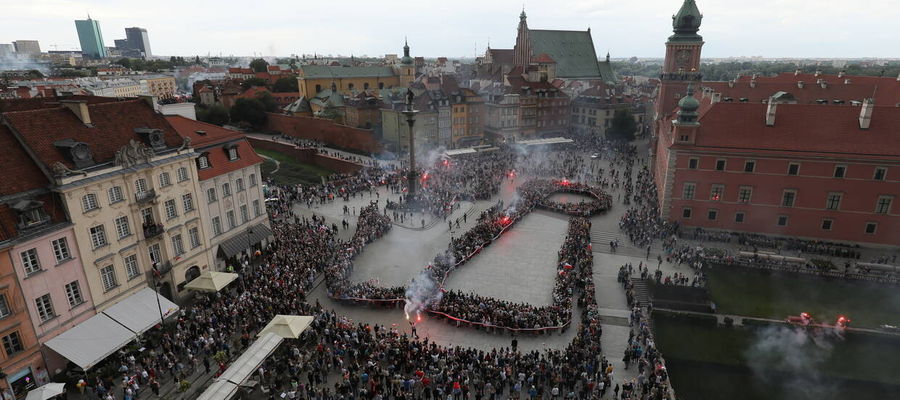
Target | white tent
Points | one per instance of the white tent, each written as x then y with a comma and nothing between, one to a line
239,372
211,281
47,392
287,326
219,390
89,342
140,312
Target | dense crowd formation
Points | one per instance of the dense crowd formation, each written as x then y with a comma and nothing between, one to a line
490,313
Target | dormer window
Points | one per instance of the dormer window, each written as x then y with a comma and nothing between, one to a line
232,151
31,213
203,161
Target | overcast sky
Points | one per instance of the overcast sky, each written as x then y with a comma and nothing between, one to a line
453,28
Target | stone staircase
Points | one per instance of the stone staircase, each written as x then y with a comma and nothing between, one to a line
641,292
600,239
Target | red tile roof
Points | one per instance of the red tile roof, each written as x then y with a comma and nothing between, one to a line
502,56
212,142
16,163
48,102
804,128
113,128
885,90
544,58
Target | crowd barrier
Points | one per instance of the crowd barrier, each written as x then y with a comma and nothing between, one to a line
500,327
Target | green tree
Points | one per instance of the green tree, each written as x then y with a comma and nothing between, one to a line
216,114
251,111
34,74
124,61
622,126
259,65
285,85
268,101
249,83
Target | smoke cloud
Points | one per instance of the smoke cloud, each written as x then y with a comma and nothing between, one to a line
421,292
789,360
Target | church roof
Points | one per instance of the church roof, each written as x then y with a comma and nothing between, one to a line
573,52
606,72
323,71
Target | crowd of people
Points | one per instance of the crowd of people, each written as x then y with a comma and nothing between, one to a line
494,314
599,201
642,222
371,225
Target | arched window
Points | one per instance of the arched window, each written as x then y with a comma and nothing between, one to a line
366,85
191,273
318,88
381,85
350,86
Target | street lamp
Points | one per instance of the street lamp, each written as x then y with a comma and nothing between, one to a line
156,276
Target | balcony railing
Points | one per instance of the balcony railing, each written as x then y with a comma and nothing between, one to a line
144,197
151,231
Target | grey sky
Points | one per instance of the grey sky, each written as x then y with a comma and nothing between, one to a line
770,28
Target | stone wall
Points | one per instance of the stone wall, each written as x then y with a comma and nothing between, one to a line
341,136
308,156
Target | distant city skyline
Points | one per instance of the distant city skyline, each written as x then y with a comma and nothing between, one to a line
767,28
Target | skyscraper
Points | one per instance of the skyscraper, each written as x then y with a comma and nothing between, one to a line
138,40
90,37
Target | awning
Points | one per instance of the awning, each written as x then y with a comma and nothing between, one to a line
287,326
140,312
253,357
47,392
91,341
211,281
243,240
219,390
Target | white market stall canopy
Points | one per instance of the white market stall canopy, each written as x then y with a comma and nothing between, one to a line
242,368
211,281
139,312
91,341
287,326
544,141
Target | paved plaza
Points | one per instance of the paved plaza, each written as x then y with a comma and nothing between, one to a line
519,267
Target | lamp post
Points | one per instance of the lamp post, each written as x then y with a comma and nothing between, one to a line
156,276
410,114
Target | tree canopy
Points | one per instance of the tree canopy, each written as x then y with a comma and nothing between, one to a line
268,101
251,111
216,114
254,81
286,85
259,65
622,126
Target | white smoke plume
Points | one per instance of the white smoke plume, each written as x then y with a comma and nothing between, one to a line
420,293
790,359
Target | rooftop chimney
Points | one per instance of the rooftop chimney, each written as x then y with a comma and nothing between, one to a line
754,76
770,112
818,72
841,74
800,84
797,72
823,84
847,81
716,97
731,83
80,109
865,114
753,83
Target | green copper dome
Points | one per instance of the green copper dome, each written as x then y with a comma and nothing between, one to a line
406,60
686,22
688,107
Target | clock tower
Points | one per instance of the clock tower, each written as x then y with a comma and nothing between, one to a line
682,64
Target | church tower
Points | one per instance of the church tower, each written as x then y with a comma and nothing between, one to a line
522,50
407,67
682,64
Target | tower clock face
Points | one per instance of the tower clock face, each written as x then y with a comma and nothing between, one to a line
682,58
